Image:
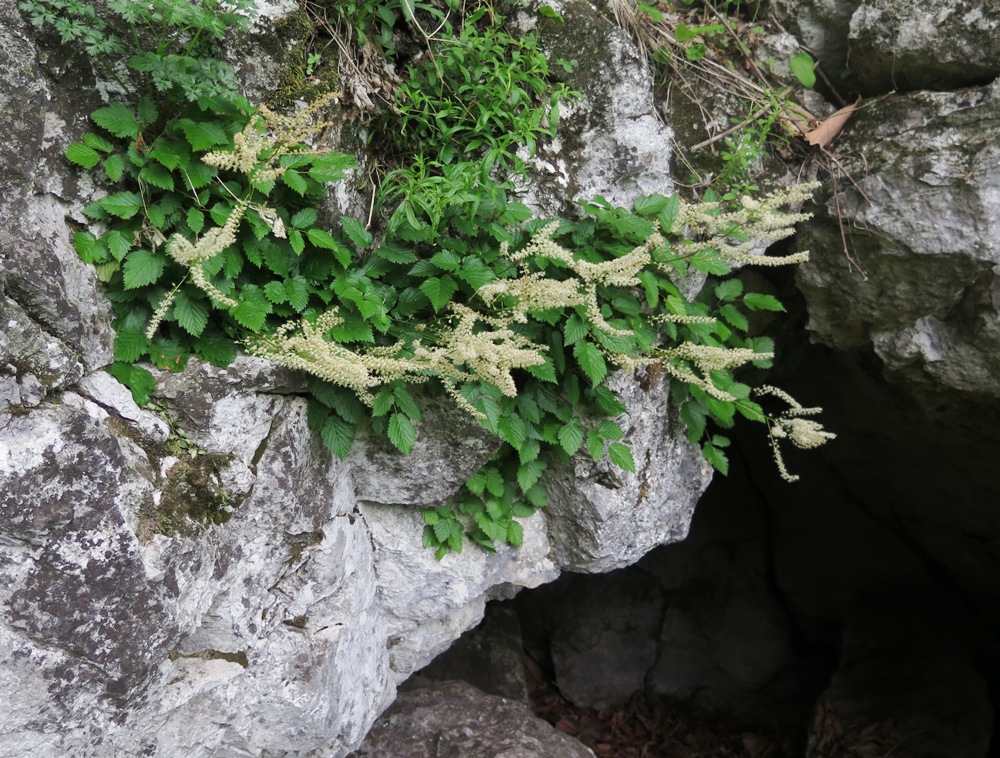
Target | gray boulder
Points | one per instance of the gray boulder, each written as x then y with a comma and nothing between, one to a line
206,580
610,142
926,234
937,44
455,720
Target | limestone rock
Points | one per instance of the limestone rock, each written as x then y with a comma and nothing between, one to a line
610,141
938,44
822,25
56,326
425,616
489,657
454,718
893,45
209,582
384,475
601,634
601,517
926,234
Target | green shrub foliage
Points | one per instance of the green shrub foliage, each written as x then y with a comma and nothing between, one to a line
210,241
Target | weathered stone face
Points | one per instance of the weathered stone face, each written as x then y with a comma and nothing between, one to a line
610,141
55,324
884,45
454,718
926,233
131,622
80,617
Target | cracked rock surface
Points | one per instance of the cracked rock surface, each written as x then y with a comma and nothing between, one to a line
207,581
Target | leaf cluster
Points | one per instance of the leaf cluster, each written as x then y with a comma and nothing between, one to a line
451,229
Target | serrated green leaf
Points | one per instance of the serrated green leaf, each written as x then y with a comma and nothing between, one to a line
574,330
710,263
394,252
650,205
722,411
728,290
402,433
591,361
215,347
142,268
124,205
297,241
97,142
716,457
294,181
512,430
756,301
203,135
199,174
304,218
621,456
158,176
117,119
515,534
171,153
529,473
494,509
406,403
477,483
385,401
694,418
114,167
297,290
130,345
668,215
544,371
529,451
119,244
447,260
522,510
356,232
439,290
608,403
169,355
82,155
595,445
195,220
252,309
325,240
734,317
275,292
191,312
332,167
147,111
338,436
89,248
609,430
494,482
538,496
571,436
476,273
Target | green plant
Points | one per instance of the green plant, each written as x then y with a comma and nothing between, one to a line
715,42
212,242
482,91
376,20
170,44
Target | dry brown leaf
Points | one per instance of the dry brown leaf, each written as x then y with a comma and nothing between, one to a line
827,130
796,119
